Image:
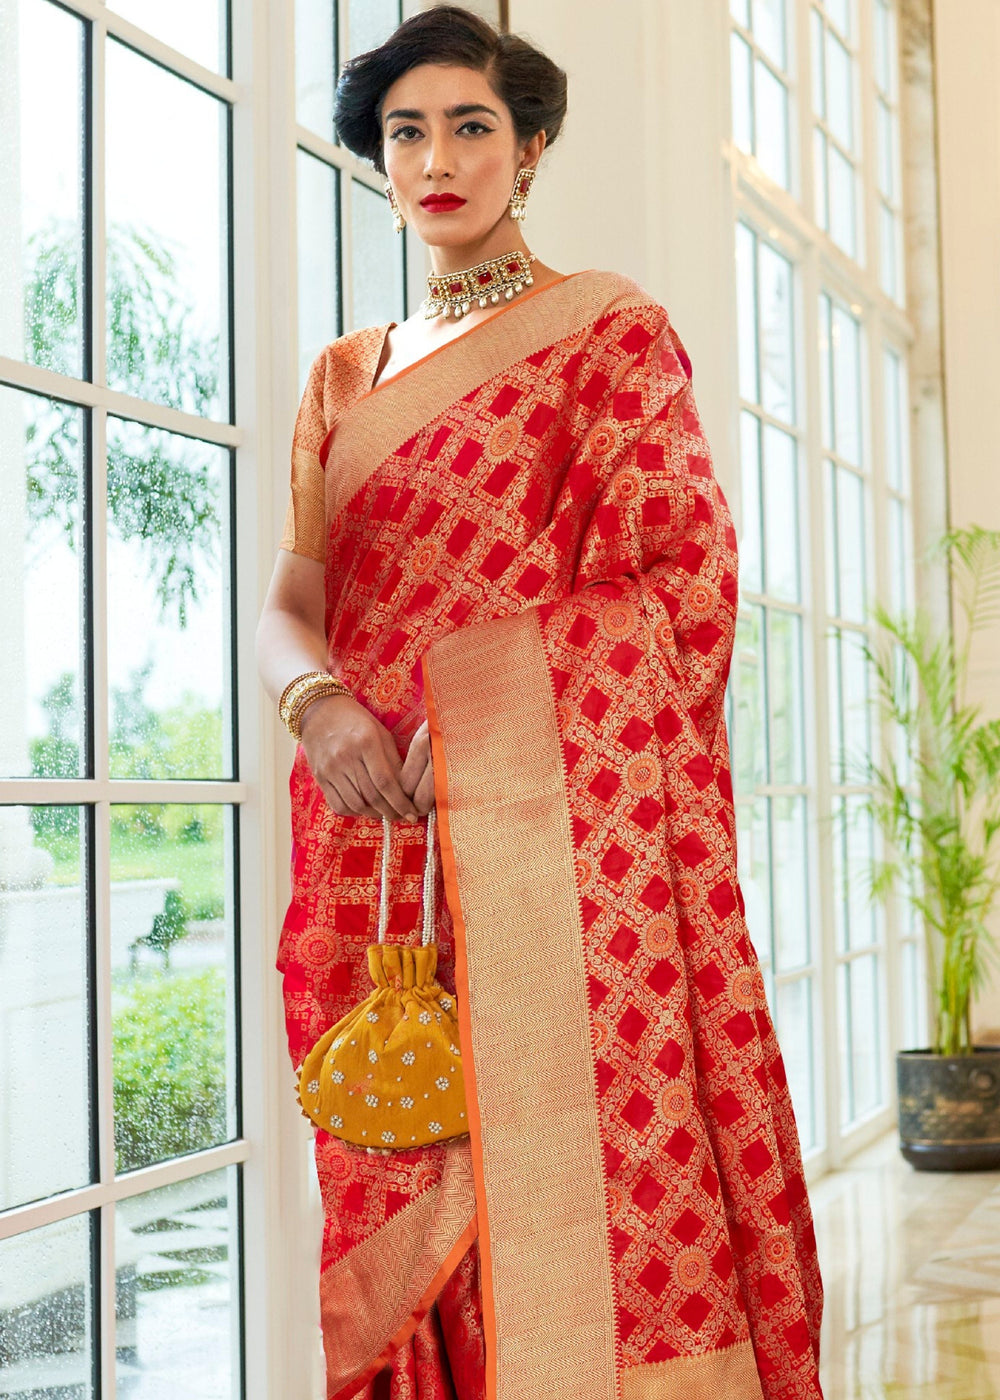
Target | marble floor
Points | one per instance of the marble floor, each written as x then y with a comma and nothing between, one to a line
911,1266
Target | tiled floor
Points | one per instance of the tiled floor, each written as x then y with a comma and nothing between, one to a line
911,1266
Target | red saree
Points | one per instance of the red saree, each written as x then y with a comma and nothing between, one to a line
525,542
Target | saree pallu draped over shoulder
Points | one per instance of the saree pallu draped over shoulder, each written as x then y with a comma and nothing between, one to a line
525,542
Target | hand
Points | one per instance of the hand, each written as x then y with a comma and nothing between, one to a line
417,777
354,760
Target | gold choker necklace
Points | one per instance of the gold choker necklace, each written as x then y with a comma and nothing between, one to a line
454,294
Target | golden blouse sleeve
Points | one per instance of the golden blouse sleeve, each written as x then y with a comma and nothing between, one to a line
305,519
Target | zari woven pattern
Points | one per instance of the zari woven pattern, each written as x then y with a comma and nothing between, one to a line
541,490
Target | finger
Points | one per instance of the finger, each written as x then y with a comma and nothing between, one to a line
424,796
374,802
384,773
414,763
346,800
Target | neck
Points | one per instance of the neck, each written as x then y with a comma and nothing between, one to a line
505,238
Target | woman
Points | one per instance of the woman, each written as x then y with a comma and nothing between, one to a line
507,547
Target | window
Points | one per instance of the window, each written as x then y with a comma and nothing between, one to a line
120,1179
346,240
826,529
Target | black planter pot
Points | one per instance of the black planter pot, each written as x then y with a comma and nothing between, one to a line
949,1109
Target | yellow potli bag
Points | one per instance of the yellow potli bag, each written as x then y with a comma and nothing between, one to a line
388,1075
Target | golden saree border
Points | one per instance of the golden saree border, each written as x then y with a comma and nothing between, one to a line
730,1373
392,412
507,855
373,1299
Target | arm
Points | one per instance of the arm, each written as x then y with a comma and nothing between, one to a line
350,754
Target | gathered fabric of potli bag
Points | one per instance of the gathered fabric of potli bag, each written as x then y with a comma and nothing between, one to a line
388,1075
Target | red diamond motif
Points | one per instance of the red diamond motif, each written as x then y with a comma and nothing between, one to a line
654,1277
694,1311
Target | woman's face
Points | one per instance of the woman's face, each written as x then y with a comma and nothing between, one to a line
445,131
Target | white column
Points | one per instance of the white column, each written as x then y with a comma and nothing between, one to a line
967,59
21,863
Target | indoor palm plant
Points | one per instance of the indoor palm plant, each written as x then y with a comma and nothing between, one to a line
936,799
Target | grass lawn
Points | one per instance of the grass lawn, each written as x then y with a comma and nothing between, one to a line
198,865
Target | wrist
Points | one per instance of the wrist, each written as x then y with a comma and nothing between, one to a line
300,693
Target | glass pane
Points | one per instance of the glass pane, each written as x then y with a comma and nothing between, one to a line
866,1049
885,48
41,583
898,591
857,710
845,1063
791,916
196,28
816,63
171,955
892,383
883,123
316,65
750,713
168,604
838,849
842,221
46,1313
835,707
369,23
753,844
781,518
746,298
176,1291
851,544
769,29
846,342
888,225
826,370
168,290
750,559
45,1063
839,12
784,688
376,258
821,201
41,189
740,60
839,114
771,124
740,11
793,1022
912,995
860,850
777,344
318,258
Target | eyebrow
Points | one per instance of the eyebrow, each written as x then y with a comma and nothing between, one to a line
462,110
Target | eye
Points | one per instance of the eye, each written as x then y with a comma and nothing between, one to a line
401,129
473,122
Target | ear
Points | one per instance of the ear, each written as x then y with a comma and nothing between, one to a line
531,151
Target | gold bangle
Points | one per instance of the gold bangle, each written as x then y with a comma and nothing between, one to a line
299,694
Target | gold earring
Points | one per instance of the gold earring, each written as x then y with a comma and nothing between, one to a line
398,222
519,194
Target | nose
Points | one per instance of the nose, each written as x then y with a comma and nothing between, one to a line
437,165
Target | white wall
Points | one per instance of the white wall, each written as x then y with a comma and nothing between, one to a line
967,56
636,182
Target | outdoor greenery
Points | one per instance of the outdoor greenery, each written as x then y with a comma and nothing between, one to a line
937,802
160,486
169,1047
155,840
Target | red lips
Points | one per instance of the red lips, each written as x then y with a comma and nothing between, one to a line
441,201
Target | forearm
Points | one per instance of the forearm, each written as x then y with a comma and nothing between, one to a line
287,646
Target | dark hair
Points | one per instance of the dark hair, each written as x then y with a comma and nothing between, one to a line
531,85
